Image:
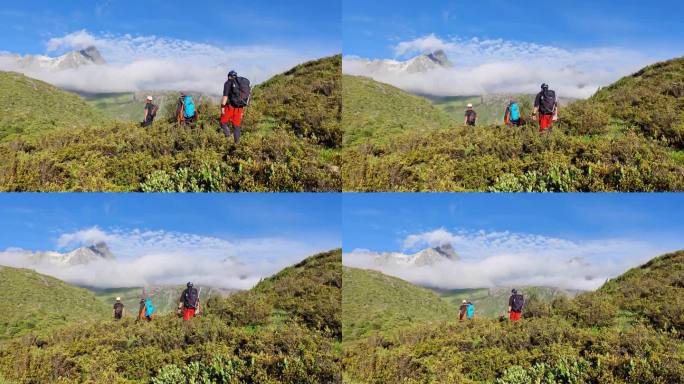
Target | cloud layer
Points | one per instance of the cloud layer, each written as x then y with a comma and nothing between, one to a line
156,63
160,257
505,259
487,66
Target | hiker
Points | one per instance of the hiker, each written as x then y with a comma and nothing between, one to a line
146,310
186,112
189,303
119,311
515,305
462,310
236,94
470,312
470,116
545,108
150,112
512,114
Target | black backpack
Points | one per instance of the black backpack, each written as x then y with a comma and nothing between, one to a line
472,117
547,102
190,299
240,93
118,310
518,302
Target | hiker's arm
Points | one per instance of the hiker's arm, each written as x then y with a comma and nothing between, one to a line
224,101
146,112
123,312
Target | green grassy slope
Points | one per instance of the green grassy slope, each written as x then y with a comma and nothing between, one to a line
32,107
376,111
269,334
628,137
306,100
489,108
129,106
36,303
629,331
494,302
119,156
373,302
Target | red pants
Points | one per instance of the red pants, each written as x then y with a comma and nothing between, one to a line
188,313
545,122
232,114
515,316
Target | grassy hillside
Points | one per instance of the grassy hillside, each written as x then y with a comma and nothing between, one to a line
35,303
164,298
129,106
306,100
489,108
270,334
493,302
33,107
629,331
375,111
373,302
625,138
119,156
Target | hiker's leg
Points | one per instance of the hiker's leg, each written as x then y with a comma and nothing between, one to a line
226,129
236,133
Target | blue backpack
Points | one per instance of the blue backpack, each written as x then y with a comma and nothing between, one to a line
188,107
149,308
515,112
470,313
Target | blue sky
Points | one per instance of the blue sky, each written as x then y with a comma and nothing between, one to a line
168,45
500,46
370,29
573,241
31,23
35,221
382,221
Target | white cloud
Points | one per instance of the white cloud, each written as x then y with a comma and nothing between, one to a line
136,63
505,259
160,257
486,66
434,238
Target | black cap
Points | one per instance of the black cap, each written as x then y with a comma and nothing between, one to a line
514,290
189,284
232,74
545,86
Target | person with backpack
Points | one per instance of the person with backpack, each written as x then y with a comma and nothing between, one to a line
470,312
462,310
186,112
512,114
515,305
146,310
236,94
545,108
189,304
119,310
470,116
150,112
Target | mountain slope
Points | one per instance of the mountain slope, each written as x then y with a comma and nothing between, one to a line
375,111
600,144
373,302
36,303
118,156
257,336
493,302
306,100
589,339
31,106
650,100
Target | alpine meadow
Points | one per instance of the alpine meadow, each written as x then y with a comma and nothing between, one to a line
291,140
626,137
